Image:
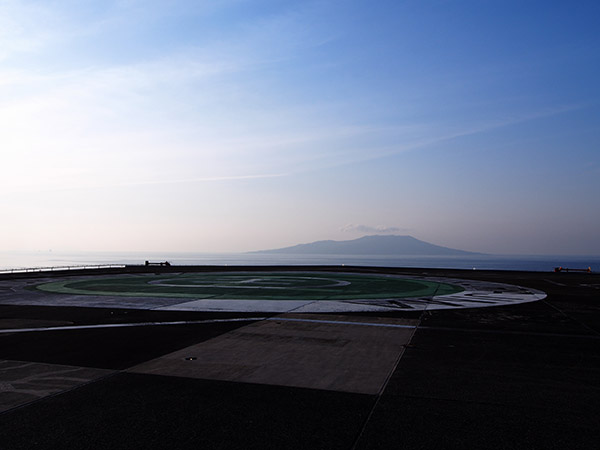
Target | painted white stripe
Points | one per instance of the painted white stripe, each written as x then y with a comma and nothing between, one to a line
134,324
554,282
196,322
286,319
340,322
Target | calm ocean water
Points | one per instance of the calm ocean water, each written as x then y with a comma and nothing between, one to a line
17,260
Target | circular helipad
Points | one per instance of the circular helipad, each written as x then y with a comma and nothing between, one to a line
287,291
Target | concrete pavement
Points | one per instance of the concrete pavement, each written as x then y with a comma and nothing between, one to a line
503,377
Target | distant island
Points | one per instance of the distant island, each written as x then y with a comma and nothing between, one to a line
372,245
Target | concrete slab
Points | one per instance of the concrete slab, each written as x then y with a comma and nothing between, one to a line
107,348
23,382
132,411
524,370
335,354
433,424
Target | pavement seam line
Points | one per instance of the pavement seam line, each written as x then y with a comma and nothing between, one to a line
387,380
571,318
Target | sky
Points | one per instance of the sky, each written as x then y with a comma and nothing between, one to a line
238,125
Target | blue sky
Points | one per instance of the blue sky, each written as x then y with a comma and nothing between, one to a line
238,125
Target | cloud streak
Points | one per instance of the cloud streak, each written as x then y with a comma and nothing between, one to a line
354,228
205,104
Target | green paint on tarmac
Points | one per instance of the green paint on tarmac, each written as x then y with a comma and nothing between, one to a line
255,286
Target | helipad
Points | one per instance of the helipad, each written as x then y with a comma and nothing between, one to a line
301,292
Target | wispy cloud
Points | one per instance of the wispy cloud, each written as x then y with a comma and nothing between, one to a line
25,27
353,228
389,141
191,113
199,111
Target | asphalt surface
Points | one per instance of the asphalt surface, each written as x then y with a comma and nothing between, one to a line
524,376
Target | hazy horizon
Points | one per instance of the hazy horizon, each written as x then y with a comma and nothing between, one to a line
235,126
257,250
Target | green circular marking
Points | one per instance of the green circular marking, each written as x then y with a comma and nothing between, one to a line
255,286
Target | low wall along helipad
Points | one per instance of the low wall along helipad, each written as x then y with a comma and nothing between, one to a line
281,292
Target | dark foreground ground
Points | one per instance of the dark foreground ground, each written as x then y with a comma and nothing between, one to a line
523,376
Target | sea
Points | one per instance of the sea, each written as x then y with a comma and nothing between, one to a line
11,261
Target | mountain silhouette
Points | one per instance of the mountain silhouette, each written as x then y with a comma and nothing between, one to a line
372,245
